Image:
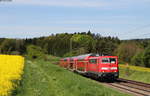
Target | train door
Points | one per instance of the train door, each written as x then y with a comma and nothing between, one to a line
71,64
93,65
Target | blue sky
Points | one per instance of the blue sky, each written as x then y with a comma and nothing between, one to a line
126,19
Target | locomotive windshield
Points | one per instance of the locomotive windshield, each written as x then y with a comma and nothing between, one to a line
108,60
112,60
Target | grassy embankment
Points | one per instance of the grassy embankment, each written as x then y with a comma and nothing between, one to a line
42,78
135,73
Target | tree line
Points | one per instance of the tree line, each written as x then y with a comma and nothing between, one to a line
135,52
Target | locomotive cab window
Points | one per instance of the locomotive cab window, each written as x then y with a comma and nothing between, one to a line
112,60
93,61
109,60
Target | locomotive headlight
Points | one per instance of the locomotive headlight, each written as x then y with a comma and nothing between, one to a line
104,68
113,68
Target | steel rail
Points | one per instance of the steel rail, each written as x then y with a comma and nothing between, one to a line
128,89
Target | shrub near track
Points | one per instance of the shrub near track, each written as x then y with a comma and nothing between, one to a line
11,69
135,73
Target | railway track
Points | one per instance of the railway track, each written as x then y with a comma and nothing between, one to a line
133,87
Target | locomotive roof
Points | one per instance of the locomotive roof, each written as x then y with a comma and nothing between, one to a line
85,55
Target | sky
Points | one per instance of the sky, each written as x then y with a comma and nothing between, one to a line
126,19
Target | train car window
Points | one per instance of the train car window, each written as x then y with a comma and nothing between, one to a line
112,60
93,61
65,59
105,60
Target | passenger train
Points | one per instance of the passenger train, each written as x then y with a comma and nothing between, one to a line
93,65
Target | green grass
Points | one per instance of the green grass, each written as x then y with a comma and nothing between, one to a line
41,78
134,75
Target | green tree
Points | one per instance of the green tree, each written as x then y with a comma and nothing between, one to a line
146,57
137,59
83,41
7,46
127,50
34,52
106,45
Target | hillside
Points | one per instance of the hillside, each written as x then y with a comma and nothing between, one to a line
42,78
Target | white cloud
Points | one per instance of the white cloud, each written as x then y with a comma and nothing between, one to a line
68,3
108,4
105,4
83,3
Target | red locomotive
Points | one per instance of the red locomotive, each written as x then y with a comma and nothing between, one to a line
93,65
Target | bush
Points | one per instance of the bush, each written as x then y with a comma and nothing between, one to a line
137,59
146,58
15,53
128,50
35,52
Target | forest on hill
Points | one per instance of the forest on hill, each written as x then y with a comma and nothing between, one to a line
135,52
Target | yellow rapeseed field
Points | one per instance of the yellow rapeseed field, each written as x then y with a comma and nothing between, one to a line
11,68
135,68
